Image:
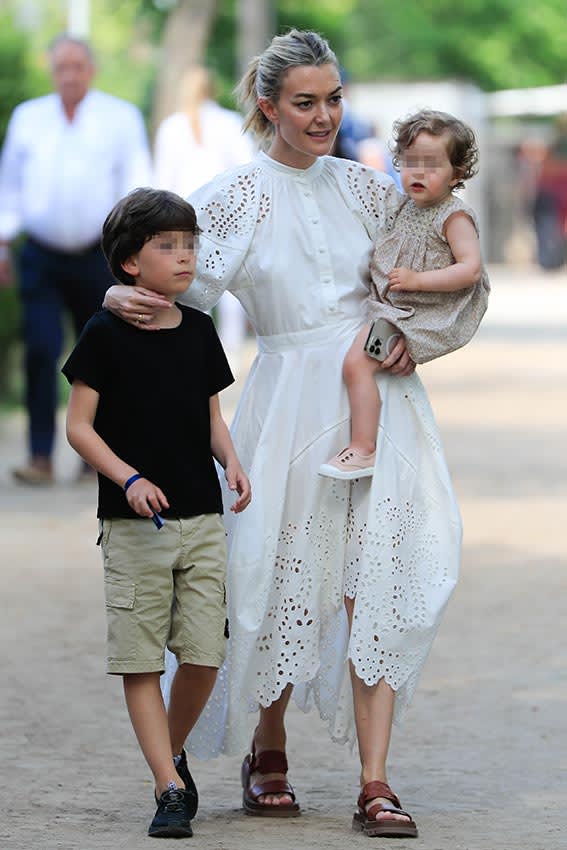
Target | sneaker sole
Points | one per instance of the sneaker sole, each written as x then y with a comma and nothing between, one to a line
331,472
171,832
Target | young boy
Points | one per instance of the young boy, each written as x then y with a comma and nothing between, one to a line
144,412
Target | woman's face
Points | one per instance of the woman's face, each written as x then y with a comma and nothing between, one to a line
307,115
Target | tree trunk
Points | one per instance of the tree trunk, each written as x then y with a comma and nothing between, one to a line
256,22
183,44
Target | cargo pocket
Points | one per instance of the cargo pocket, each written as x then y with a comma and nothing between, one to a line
120,599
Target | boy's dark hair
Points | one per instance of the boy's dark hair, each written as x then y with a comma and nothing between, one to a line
462,148
136,218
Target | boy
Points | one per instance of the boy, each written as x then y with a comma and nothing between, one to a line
144,412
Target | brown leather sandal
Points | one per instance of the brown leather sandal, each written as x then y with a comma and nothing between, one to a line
365,821
270,761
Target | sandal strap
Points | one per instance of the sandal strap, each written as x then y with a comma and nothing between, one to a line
268,761
375,808
377,789
272,786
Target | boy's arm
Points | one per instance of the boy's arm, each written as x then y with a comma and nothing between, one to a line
223,450
464,272
143,496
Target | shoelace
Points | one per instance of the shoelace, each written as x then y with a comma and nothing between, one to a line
172,800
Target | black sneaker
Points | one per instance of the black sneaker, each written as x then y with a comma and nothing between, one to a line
183,771
172,819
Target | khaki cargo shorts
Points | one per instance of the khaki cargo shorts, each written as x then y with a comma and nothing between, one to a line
164,588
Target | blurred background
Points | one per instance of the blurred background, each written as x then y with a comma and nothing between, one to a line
498,64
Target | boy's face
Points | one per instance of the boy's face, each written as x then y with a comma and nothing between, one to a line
166,263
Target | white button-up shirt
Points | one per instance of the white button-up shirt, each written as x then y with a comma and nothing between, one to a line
58,178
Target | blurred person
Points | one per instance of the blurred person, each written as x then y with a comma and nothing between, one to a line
373,152
427,279
335,592
550,201
192,146
67,158
164,585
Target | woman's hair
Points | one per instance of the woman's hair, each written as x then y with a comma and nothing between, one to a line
265,73
196,87
462,148
136,218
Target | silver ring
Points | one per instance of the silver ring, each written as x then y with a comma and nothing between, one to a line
140,318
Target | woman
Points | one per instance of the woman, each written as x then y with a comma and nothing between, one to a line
315,559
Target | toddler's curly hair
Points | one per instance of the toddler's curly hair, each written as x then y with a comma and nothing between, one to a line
462,148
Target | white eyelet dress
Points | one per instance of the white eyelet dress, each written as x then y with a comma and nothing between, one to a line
294,246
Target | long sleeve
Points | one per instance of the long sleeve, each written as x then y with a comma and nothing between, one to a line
10,183
135,166
228,209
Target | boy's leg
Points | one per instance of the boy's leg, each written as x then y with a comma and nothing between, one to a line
190,690
149,720
359,372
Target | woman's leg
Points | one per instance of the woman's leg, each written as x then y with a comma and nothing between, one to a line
270,735
373,712
359,371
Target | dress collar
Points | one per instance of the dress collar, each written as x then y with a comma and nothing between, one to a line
302,174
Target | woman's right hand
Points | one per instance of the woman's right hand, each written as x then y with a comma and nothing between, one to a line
135,305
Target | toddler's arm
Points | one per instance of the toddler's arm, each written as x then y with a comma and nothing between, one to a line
223,450
464,272
143,496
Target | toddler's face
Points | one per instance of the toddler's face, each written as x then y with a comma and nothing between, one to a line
166,263
426,171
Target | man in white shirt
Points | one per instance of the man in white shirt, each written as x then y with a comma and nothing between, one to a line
68,157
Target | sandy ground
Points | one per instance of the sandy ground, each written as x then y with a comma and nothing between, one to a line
481,761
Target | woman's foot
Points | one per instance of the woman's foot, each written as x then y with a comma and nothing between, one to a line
266,791
380,813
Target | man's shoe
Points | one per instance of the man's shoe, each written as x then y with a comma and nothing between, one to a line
37,475
172,819
184,774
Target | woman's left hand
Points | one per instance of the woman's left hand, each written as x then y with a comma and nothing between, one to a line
398,361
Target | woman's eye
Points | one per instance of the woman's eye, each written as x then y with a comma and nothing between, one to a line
336,98
304,104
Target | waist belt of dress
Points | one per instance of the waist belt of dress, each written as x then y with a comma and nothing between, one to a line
329,334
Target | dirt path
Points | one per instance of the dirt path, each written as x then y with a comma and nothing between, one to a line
481,760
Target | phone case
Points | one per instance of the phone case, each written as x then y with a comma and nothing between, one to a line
382,338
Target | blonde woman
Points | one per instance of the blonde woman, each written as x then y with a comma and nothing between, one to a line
335,590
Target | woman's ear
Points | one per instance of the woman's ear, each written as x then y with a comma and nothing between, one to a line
131,266
269,109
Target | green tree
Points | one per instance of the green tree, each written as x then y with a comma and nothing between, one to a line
494,43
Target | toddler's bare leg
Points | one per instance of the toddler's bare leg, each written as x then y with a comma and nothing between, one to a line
359,372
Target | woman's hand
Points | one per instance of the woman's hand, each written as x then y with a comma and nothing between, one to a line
135,305
398,361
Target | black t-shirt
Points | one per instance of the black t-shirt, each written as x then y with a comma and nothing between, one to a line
153,410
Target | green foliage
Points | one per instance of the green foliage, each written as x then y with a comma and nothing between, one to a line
494,43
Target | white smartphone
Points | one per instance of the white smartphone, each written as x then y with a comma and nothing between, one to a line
381,340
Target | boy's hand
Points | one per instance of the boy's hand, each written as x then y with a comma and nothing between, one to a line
403,280
145,498
238,481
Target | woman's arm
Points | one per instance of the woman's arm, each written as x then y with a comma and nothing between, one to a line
466,271
143,496
223,450
135,305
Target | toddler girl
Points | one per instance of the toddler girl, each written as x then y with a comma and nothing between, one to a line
426,271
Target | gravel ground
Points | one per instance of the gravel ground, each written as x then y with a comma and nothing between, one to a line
481,760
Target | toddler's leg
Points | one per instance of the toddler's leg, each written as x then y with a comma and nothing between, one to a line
359,370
